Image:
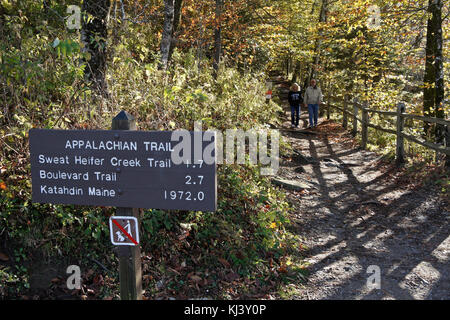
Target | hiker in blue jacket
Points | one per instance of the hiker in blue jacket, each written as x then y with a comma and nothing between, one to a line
295,100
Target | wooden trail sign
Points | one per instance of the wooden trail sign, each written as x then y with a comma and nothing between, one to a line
124,168
117,168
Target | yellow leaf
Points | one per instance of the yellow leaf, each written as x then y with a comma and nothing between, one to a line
196,278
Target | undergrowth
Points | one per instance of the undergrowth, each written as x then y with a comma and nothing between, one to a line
246,236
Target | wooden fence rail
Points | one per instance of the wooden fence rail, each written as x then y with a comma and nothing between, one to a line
400,117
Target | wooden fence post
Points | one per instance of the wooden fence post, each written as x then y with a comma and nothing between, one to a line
130,266
365,122
400,149
447,145
328,106
355,117
344,116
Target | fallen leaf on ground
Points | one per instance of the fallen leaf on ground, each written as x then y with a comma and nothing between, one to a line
195,278
175,271
183,236
282,269
3,257
224,262
89,273
98,280
232,276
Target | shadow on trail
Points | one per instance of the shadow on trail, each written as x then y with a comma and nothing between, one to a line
400,234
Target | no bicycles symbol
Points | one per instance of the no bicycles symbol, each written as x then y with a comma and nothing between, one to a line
124,231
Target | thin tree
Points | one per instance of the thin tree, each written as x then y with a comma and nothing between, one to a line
166,39
429,75
438,68
178,5
217,37
315,62
94,37
296,72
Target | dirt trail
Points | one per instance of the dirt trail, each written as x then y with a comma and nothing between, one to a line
355,213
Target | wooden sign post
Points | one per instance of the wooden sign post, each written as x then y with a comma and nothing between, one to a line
130,265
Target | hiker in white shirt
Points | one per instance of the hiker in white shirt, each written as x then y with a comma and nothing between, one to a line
313,98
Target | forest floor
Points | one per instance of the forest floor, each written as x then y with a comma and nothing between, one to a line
357,210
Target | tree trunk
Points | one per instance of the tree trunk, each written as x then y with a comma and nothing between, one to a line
315,62
296,72
167,33
287,67
429,77
217,37
176,24
94,37
439,69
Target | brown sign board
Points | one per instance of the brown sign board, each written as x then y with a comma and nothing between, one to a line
119,168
